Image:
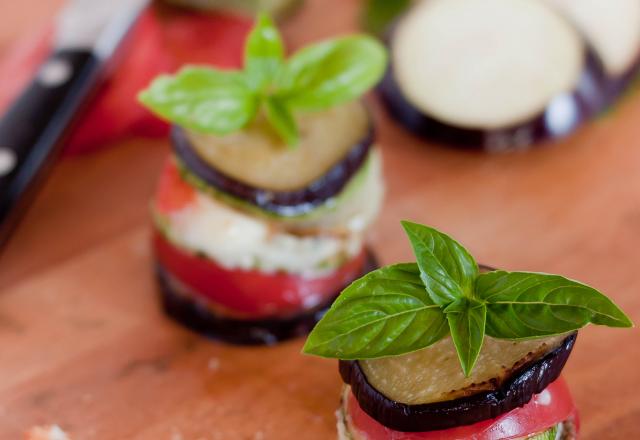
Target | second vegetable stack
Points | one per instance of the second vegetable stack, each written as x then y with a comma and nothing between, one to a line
262,207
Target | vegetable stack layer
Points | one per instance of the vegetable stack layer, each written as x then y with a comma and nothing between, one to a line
274,177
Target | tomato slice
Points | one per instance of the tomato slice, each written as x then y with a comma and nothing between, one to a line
162,41
173,193
550,407
250,293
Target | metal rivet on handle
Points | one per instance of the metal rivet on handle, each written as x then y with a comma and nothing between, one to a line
55,73
8,161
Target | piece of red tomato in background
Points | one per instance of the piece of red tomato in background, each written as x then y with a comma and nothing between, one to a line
162,41
552,406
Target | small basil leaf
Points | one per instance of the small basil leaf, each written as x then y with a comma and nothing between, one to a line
331,73
264,53
385,313
446,268
282,120
467,318
379,14
203,99
523,305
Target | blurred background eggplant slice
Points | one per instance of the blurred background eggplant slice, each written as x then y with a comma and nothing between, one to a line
260,171
612,27
512,374
496,74
277,8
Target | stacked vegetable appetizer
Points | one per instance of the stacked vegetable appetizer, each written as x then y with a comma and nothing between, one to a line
504,74
262,207
443,349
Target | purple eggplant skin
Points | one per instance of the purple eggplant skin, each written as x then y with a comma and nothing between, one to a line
194,315
616,87
513,393
282,203
561,117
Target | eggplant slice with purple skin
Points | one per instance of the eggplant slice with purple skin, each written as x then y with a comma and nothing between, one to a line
612,27
194,314
518,389
286,203
459,77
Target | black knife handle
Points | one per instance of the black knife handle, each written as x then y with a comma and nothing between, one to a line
33,129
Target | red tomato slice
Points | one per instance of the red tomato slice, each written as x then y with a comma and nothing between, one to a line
163,40
251,293
545,410
173,192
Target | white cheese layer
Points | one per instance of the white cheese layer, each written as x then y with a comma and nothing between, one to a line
238,240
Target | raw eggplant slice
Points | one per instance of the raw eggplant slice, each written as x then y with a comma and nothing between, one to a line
261,171
613,29
508,393
496,74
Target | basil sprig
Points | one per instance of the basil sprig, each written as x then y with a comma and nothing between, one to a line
316,77
406,307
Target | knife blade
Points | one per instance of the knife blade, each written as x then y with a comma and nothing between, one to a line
33,129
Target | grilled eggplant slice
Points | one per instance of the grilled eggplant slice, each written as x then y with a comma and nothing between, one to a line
564,430
613,29
255,166
512,375
499,74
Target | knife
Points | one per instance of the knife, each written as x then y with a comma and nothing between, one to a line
33,130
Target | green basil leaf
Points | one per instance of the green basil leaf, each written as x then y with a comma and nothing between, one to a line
523,305
447,270
385,313
264,53
203,99
379,14
331,73
467,318
282,120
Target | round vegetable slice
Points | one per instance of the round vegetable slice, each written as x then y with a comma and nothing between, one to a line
255,166
613,28
551,407
246,307
252,294
507,393
497,74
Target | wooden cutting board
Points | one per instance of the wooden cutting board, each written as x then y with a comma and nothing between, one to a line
84,345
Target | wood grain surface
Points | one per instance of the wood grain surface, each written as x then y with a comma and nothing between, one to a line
83,343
